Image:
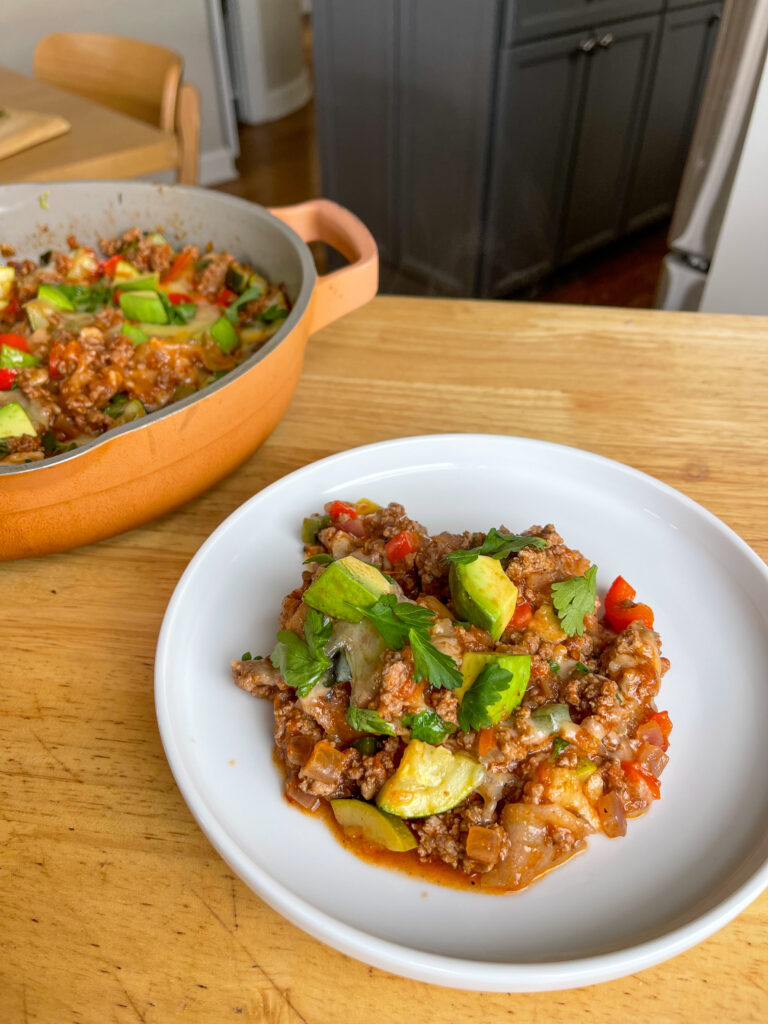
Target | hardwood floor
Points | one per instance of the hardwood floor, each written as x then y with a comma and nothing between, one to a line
278,165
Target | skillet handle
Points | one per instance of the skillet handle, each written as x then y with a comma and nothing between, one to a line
337,293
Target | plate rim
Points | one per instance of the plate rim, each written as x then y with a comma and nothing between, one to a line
406,961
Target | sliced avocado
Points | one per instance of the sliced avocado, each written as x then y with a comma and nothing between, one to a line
373,825
144,306
483,594
224,334
14,421
12,358
429,780
53,295
345,587
518,664
139,283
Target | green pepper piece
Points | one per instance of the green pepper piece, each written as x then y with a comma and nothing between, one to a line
116,405
224,334
134,334
366,745
144,306
14,359
55,296
311,526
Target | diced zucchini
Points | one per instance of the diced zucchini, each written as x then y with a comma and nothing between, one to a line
143,283
429,780
7,277
311,526
372,825
125,272
237,277
157,239
550,718
132,410
35,314
134,334
257,281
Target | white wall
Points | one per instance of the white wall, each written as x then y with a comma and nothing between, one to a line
188,26
737,281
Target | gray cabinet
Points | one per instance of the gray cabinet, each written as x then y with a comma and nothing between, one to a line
687,39
487,142
537,111
404,96
617,81
531,19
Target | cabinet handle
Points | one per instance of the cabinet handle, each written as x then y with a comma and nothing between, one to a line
606,41
587,45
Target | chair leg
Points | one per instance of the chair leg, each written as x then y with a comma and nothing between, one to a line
188,133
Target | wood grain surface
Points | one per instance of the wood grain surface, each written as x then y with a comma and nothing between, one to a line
113,905
101,143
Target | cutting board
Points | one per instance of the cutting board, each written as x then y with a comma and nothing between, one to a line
20,129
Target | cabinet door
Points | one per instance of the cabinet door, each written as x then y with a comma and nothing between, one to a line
354,56
446,60
618,78
688,37
537,106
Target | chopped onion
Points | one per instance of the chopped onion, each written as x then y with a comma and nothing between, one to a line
306,800
610,810
653,758
325,764
650,732
298,749
483,845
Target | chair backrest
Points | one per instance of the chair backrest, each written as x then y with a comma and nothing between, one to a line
188,132
137,78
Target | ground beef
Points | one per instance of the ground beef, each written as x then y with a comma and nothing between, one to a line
212,278
258,677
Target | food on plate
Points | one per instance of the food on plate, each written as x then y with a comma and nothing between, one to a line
89,342
458,700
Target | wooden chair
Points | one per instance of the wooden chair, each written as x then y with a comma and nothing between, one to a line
137,78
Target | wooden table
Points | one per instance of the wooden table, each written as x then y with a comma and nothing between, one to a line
100,144
114,906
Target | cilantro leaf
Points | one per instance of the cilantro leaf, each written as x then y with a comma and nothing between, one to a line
497,545
394,619
559,745
573,599
366,720
248,295
317,632
428,726
554,667
428,663
273,313
247,656
322,559
303,663
482,694
581,668
86,299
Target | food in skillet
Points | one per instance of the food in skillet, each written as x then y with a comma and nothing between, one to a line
89,343
458,696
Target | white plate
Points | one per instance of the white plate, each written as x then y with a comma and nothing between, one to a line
690,865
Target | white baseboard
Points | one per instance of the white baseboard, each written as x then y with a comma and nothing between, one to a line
217,166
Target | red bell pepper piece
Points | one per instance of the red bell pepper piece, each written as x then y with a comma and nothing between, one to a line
12,311
620,608
7,377
109,266
341,508
226,297
639,773
523,615
176,297
401,545
178,267
15,341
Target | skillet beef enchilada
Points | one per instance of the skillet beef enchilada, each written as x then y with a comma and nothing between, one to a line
456,700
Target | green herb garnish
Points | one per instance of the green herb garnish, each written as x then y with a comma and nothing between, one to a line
323,558
247,656
554,667
482,694
366,720
53,446
573,599
496,545
272,314
581,668
248,296
395,619
303,663
428,663
559,745
428,726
